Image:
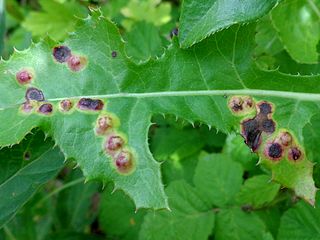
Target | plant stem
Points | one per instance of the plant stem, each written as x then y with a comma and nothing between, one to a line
57,190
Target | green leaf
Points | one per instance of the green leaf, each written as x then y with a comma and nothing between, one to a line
301,222
126,223
186,143
56,19
190,217
234,224
77,206
258,191
271,218
286,64
221,175
74,236
144,42
2,26
201,18
267,38
112,9
239,152
152,11
193,84
179,169
35,219
298,25
311,135
20,180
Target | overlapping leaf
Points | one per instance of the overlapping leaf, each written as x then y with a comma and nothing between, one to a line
24,169
192,84
199,19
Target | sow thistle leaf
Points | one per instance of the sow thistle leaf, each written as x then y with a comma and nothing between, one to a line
96,99
202,18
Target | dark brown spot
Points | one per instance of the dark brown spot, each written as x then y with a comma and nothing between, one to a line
174,32
61,54
34,94
251,133
46,108
236,104
274,151
114,54
294,154
66,105
248,102
27,156
90,104
265,108
267,125
77,63
24,77
124,162
247,208
114,143
241,104
104,123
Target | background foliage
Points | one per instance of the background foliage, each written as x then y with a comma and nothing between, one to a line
214,186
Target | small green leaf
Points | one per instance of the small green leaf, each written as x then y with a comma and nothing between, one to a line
234,224
144,42
152,11
190,217
201,18
56,19
258,191
300,222
221,175
267,38
298,25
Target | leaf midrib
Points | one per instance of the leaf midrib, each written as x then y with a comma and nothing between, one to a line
252,92
300,96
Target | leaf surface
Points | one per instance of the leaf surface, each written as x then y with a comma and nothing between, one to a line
299,20
191,218
193,84
56,19
258,191
20,179
199,19
221,175
300,222
126,223
235,224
